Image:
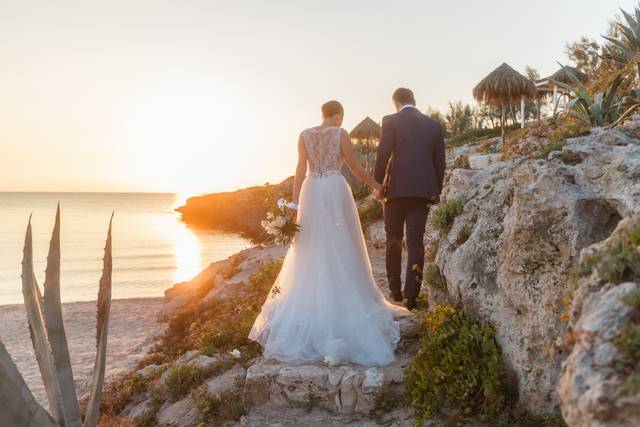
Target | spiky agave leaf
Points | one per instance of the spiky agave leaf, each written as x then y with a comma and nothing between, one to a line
18,407
55,330
33,306
104,306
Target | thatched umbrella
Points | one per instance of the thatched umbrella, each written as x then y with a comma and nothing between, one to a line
367,130
504,86
562,76
552,83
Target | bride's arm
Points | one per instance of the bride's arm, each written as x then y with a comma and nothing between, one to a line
354,165
301,170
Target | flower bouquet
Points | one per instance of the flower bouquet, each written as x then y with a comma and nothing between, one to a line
280,224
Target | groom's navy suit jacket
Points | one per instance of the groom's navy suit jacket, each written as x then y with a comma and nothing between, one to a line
410,161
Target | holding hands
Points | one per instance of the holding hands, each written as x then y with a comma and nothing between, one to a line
378,191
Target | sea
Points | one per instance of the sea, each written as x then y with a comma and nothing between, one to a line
152,248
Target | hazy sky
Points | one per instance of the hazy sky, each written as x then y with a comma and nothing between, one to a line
196,96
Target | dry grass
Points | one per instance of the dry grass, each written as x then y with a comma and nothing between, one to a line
217,327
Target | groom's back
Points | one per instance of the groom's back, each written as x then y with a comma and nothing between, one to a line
412,147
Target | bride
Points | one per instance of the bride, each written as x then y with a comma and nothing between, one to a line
325,304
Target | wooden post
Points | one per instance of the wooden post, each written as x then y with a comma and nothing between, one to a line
555,99
522,112
502,120
366,167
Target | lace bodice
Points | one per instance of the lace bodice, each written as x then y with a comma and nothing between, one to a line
323,150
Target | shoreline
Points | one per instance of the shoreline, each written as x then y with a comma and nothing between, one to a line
14,305
133,328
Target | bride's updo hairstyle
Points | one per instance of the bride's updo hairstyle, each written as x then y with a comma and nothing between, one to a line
331,108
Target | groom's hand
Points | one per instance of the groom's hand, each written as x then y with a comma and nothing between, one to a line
378,192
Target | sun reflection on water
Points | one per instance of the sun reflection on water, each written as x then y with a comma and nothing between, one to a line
188,254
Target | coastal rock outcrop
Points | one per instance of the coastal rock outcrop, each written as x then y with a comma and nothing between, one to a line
237,211
595,388
525,223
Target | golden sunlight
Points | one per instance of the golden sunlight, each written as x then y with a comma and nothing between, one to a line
187,255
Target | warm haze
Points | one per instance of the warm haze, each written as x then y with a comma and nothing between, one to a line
211,95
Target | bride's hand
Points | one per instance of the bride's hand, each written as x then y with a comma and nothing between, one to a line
378,191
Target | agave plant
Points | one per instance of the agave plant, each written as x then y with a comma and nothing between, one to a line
627,47
600,110
18,407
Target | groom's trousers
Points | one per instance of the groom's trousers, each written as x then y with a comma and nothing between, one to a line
411,212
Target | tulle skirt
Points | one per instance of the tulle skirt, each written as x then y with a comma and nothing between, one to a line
325,304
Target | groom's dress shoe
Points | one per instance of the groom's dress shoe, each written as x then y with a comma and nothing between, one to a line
411,304
397,296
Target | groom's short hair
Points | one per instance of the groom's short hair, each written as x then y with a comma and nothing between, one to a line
404,96
331,108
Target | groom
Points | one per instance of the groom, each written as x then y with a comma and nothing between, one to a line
410,165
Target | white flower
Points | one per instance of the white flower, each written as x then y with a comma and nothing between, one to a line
282,203
329,360
280,221
236,353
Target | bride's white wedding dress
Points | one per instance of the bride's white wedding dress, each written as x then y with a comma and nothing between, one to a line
325,304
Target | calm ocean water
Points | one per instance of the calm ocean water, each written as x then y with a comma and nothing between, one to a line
152,248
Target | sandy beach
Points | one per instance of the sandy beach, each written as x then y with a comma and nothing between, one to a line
132,328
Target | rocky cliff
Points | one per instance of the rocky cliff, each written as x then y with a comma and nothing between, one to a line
238,211
510,254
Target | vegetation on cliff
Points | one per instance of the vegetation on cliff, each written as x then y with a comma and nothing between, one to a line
238,211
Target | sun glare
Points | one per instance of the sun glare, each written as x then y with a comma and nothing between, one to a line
188,255
181,198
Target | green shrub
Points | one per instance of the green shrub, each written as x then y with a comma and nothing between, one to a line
219,410
461,162
570,157
463,234
118,393
225,325
370,212
472,135
632,299
446,212
433,277
457,368
234,268
619,262
550,147
629,342
386,400
569,130
183,378
432,250
559,139
148,417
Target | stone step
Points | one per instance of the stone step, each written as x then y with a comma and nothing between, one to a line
344,389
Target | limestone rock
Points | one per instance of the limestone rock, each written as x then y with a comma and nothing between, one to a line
338,389
529,220
482,161
373,380
183,413
303,384
186,358
204,362
151,369
226,382
592,388
257,386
